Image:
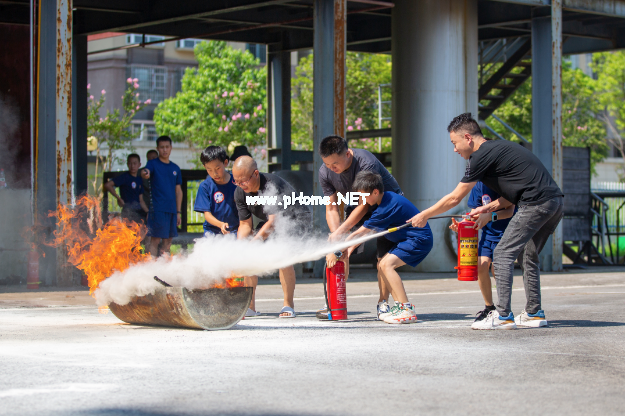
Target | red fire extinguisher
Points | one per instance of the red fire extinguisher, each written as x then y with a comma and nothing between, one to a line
467,250
334,289
32,277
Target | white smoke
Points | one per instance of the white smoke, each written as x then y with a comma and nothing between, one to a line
213,259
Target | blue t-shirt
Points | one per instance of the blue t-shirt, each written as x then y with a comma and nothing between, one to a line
130,187
219,201
393,211
480,194
165,177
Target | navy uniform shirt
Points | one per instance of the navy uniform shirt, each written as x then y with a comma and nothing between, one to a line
483,195
130,187
219,201
164,178
394,210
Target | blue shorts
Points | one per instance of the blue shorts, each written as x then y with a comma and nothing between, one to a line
412,251
486,248
162,224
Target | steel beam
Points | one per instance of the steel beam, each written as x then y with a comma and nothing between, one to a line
547,110
328,86
45,140
614,8
79,112
279,109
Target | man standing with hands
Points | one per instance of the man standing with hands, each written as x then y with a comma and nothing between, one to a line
521,179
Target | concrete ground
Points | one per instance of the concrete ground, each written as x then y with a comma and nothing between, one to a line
58,356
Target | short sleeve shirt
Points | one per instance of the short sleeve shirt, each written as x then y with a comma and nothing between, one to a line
164,178
513,172
219,201
363,161
270,185
483,195
393,211
130,187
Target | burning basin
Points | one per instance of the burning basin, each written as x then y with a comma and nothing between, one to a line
211,309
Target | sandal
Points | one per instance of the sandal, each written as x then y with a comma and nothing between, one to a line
251,313
289,311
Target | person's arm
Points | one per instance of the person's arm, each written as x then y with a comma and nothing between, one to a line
497,205
245,228
144,206
210,218
482,219
356,215
179,205
445,204
331,258
266,229
333,217
110,188
145,173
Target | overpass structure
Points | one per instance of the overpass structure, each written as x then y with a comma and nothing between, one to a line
436,46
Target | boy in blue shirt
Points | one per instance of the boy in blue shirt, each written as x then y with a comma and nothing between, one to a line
493,226
165,214
130,185
410,245
215,196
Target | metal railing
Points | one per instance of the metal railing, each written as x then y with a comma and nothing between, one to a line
608,227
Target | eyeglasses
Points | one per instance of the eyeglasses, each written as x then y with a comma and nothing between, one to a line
240,183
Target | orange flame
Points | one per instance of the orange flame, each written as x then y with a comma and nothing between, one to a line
102,249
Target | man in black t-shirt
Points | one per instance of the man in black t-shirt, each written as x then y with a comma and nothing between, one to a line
296,219
521,179
340,167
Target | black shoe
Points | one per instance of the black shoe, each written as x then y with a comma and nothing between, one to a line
481,315
322,313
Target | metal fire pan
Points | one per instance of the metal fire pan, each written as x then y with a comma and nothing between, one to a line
210,309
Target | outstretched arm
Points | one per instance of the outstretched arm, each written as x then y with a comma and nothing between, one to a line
445,204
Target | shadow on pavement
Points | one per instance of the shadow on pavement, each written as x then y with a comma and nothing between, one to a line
141,412
583,324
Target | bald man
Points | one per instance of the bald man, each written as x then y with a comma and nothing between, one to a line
295,220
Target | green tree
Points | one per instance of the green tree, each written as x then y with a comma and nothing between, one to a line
610,70
221,101
365,73
581,109
111,133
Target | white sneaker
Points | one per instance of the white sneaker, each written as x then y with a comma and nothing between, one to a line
533,320
382,315
402,315
494,321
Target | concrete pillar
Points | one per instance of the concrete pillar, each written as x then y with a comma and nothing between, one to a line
547,111
279,109
329,20
435,58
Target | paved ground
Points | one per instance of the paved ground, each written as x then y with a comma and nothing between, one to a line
58,356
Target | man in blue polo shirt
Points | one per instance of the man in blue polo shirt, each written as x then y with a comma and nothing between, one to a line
165,214
130,197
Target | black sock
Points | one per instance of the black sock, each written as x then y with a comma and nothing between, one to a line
491,307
